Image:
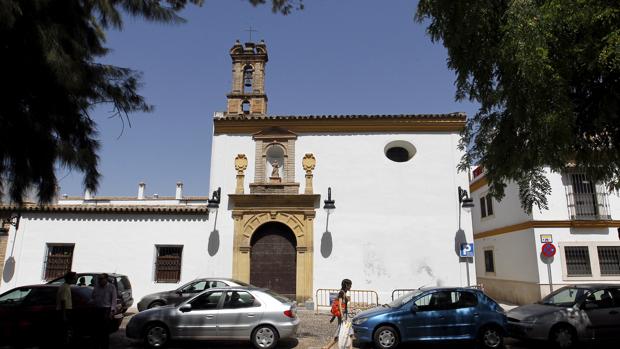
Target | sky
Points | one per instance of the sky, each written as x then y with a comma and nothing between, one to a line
334,57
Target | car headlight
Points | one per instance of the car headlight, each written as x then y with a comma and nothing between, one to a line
359,321
530,319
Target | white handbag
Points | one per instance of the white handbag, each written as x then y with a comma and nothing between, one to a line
344,335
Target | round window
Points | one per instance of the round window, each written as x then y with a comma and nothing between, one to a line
399,151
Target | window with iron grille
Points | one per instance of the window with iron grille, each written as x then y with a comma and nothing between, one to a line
609,260
577,261
586,199
58,260
168,263
489,263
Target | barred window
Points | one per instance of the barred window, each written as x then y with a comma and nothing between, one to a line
609,260
168,263
577,261
489,263
58,260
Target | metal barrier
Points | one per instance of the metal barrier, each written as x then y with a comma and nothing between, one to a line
360,299
402,291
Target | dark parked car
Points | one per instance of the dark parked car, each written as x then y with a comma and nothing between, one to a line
121,282
572,313
28,315
231,313
184,292
433,314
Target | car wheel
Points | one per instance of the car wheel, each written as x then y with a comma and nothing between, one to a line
563,337
156,336
155,304
491,337
386,337
265,337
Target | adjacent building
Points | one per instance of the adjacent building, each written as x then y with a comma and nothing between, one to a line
582,224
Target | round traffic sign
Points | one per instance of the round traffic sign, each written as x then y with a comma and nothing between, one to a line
548,249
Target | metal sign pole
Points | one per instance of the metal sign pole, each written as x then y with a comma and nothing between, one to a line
550,279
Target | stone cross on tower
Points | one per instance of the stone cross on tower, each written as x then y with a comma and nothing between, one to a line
250,30
248,97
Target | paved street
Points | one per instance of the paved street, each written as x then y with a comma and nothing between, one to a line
314,332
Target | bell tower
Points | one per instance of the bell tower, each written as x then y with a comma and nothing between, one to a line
248,97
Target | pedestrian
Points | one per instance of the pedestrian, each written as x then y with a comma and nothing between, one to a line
64,306
340,311
104,299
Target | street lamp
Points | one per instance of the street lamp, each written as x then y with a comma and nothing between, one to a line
13,220
213,205
466,202
329,207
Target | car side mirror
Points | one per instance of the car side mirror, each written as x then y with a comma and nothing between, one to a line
185,308
414,308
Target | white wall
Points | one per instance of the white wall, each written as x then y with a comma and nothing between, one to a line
506,212
514,256
558,201
395,223
122,243
566,236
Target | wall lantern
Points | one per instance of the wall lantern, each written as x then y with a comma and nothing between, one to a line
329,205
13,219
214,203
466,202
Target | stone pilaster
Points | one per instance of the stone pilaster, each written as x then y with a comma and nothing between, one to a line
309,162
241,163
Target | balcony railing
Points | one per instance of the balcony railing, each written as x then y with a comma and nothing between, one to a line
586,200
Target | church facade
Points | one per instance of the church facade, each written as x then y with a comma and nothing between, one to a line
397,223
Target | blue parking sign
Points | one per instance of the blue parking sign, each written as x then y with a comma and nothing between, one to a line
467,250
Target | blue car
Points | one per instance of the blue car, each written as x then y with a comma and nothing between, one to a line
433,314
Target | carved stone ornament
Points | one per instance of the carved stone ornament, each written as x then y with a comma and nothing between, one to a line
241,163
308,162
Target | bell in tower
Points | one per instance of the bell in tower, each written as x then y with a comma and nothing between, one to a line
248,97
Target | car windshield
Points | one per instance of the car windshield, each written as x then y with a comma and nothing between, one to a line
564,297
404,299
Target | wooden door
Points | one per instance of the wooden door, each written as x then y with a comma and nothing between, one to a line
273,259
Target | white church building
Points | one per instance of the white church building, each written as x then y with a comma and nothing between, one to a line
398,222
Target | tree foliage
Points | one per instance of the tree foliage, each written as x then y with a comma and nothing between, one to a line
51,80
547,76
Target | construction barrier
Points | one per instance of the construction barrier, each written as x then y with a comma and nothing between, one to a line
359,299
402,291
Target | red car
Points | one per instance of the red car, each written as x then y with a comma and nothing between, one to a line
28,315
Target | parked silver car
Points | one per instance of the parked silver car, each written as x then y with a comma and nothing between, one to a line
238,313
570,314
185,292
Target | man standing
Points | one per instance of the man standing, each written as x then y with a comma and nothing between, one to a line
64,305
104,299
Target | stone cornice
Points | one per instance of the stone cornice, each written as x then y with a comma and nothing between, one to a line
262,202
454,122
548,224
